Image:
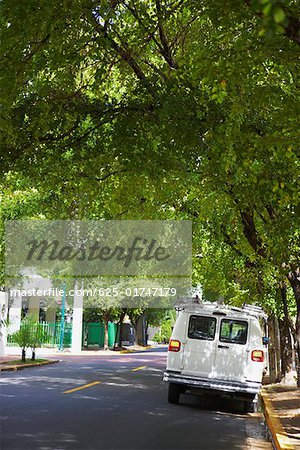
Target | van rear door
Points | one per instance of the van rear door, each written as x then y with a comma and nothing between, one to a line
232,352
200,346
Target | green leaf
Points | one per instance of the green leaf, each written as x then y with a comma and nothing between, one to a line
278,14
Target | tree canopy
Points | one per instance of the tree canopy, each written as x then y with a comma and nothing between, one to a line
161,109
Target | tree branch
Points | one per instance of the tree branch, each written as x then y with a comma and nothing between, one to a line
125,53
137,17
166,50
292,29
250,232
181,32
51,138
174,6
108,175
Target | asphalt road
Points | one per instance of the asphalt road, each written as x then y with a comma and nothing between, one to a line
121,404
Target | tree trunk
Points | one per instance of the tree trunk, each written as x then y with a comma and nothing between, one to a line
286,348
136,336
23,355
273,350
146,333
121,334
139,331
134,320
120,329
286,332
105,334
277,349
33,355
294,279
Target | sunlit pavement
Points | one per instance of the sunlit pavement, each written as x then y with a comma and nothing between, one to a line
116,402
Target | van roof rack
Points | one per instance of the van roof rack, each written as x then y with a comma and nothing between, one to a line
255,310
193,303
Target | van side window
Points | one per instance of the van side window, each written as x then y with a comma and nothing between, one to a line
233,331
202,327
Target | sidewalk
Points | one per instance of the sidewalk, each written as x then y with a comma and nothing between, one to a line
44,352
281,405
7,358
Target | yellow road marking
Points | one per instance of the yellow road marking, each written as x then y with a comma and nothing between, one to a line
138,368
82,387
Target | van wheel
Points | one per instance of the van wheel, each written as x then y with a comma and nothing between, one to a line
174,393
250,406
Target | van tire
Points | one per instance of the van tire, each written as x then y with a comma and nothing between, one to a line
250,406
174,393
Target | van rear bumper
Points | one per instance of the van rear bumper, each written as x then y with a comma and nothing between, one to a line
235,387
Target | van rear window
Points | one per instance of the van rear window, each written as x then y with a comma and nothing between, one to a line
202,327
234,331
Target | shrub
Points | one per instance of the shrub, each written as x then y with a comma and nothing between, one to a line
31,334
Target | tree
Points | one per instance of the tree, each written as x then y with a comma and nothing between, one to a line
164,109
155,317
38,335
23,337
166,325
31,334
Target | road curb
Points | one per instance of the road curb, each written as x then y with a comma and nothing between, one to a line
21,367
279,436
122,352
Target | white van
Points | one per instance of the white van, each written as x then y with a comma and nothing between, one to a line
219,349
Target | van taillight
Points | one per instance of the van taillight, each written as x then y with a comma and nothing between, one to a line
257,355
174,346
